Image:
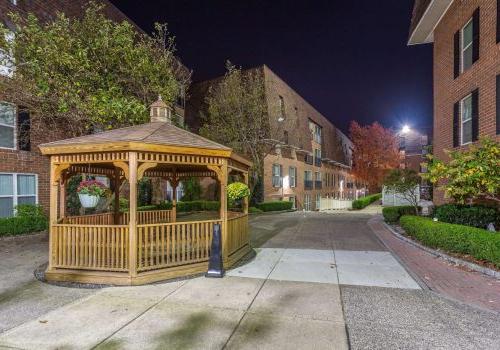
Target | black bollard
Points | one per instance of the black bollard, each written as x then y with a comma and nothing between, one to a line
215,267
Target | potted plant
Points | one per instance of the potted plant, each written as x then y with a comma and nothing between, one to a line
236,191
90,191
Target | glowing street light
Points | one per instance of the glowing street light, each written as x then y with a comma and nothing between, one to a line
406,129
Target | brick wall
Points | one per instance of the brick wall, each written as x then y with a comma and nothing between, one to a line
482,74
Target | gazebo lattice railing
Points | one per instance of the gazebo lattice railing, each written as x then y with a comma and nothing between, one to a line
137,247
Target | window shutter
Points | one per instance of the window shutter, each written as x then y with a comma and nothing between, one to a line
475,115
456,55
498,104
498,22
23,130
475,35
456,124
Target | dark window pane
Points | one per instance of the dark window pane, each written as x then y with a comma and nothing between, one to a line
6,207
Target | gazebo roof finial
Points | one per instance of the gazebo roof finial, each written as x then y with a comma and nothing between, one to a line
160,111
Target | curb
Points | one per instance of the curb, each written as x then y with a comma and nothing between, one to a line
474,267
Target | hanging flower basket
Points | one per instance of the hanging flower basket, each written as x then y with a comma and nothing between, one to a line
89,193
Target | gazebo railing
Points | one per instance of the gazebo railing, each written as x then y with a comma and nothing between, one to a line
143,217
173,244
91,219
237,232
90,247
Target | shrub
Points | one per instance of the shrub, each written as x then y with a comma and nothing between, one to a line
147,207
254,210
392,214
478,243
29,218
237,190
476,216
198,206
275,206
365,201
164,205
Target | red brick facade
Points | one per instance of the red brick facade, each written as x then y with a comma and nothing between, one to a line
32,162
297,141
448,89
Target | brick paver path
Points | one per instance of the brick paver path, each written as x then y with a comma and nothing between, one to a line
441,276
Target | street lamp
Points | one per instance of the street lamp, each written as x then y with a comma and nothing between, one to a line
405,130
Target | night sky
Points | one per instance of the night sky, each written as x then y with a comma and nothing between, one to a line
349,59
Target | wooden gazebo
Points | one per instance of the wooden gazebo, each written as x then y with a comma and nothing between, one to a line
138,247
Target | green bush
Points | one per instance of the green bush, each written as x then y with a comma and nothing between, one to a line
29,218
254,210
478,243
392,214
365,201
147,207
198,206
476,215
275,206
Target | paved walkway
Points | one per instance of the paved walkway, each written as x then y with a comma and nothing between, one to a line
441,276
319,281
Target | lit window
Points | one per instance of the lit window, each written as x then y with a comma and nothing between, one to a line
466,120
16,189
282,106
277,179
7,126
467,46
292,173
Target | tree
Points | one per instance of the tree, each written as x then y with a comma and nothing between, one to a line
404,182
77,75
470,175
375,153
238,116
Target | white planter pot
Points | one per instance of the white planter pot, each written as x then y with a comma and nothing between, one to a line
88,201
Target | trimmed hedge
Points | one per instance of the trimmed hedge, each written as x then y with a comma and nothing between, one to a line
275,206
30,218
198,206
478,243
392,214
476,215
254,210
365,201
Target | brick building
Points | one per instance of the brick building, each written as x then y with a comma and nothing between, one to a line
413,148
311,159
24,172
466,36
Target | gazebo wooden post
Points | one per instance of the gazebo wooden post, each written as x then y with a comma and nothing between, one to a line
245,200
132,163
53,209
174,183
116,189
223,209
62,196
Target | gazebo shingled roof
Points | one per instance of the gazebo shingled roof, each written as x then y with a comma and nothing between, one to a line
158,133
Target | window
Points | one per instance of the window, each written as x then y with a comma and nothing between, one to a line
318,201
285,137
466,120
16,189
307,202
294,202
282,106
315,131
277,179
7,126
308,181
466,46
292,173
6,59
317,157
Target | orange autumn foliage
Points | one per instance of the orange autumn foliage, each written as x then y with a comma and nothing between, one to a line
376,151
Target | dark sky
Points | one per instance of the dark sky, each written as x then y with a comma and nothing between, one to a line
349,59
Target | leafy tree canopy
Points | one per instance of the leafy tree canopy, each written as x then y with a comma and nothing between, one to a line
470,174
375,153
87,73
